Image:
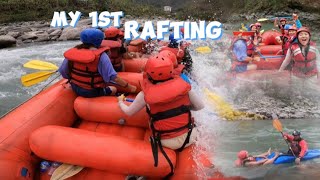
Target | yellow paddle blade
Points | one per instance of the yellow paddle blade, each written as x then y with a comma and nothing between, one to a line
262,31
277,124
65,171
203,50
34,78
40,65
225,110
262,19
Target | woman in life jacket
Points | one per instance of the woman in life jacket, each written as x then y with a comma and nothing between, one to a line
246,160
304,56
258,33
169,101
114,40
298,146
88,68
241,62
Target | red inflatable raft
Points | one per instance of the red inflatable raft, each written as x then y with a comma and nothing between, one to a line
56,125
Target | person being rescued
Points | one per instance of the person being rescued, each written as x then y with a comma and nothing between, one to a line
304,55
241,62
113,39
298,146
246,160
88,68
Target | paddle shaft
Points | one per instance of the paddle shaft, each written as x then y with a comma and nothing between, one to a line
288,145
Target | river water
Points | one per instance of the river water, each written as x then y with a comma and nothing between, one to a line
222,139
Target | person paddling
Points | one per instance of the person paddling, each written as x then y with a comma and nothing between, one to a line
298,146
88,68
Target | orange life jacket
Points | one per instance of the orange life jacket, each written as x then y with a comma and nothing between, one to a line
114,55
136,45
169,110
83,67
304,66
178,70
179,54
169,106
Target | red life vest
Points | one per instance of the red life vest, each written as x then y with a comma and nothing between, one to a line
178,70
304,66
114,52
169,107
287,42
250,47
136,45
179,54
83,67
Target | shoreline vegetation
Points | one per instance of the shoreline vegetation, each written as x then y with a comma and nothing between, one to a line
220,10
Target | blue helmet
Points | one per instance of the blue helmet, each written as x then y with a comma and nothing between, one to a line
92,36
287,27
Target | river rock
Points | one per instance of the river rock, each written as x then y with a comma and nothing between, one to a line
71,33
14,34
7,41
57,32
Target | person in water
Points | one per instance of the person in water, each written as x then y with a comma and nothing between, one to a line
241,62
246,160
304,55
298,146
88,68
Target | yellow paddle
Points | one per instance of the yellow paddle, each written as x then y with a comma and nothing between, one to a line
263,19
226,111
40,65
278,126
203,50
34,78
65,171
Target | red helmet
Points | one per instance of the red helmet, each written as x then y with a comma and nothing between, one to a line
159,68
182,30
283,19
257,24
303,29
242,154
292,28
252,25
171,56
111,32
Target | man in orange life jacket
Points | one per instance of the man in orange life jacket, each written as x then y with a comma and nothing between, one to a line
241,62
298,145
304,55
169,101
88,67
113,40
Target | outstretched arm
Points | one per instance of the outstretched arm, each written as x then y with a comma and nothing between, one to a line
286,61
